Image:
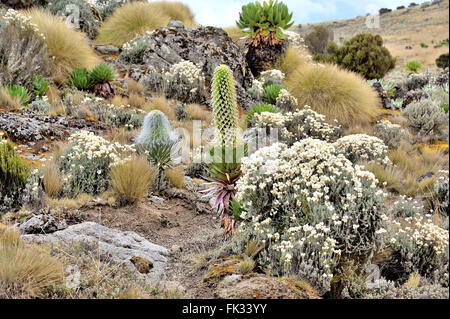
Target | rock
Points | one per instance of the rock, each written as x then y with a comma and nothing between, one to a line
156,199
413,96
107,49
42,224
384,11
425,176
123,247
175,24
262,287
385,102
206,47
408,47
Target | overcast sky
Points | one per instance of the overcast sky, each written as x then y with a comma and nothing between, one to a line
224,13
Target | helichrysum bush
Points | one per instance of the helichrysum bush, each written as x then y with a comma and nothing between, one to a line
362,147
425,115
260,108
286,101
133,51
293,127
185,82
23,52
413,66
286,197
86,163
257,90
273,76
40,106
419,245
13,175
391,134
87,20
224,105
441,190
437,93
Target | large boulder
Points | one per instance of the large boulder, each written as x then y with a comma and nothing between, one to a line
133,251
206,47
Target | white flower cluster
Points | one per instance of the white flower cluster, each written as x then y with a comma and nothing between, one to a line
185,71
273,76
299,125
2,140
257,90
22,22
185,82
363,147
441,188
286,101
391,134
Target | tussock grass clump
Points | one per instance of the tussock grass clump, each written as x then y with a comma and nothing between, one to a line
175,177
25,271
67,48
131,179
336,93
136,18
52,180
160,103
292,59
200,113
8,101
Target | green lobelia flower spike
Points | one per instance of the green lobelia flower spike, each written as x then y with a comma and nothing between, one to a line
224,105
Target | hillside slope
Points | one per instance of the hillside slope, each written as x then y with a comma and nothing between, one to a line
426,23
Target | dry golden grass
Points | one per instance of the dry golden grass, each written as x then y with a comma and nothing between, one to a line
292,59
120,135
135,87
162,104
132,179
70,203
52,180
175,177
336,93
253,248
119,100
235,33
246,266
136,18
67,48
25,271
199,113
136,100
8,101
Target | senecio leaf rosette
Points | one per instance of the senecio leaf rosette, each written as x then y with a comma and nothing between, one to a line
224,106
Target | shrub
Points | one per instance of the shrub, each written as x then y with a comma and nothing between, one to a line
317,40
286,199
365,54
441,191
413,66
40,106
286,102
424,45
180,112
131,179
336,93
265,22
19,92
425,115
273,76
442,61
26,271
79,78
185,82
23,51
299,125
67,48
391,134
362,147
197,170
39,86
260,108
136,18
437,93
88,21
85,163
257,90
13,175
133,51
271,92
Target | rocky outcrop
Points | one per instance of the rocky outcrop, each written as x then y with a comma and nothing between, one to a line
206,47
128,248
42,224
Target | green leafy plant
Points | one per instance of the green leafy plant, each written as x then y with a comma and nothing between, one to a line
271,92
260,108
100,79
13,175
17,91
413,66
80,79
445,107
424,45
265,22
159,155
39,85
317,40
442,61
366,55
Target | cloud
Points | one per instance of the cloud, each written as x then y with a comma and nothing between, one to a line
224,13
